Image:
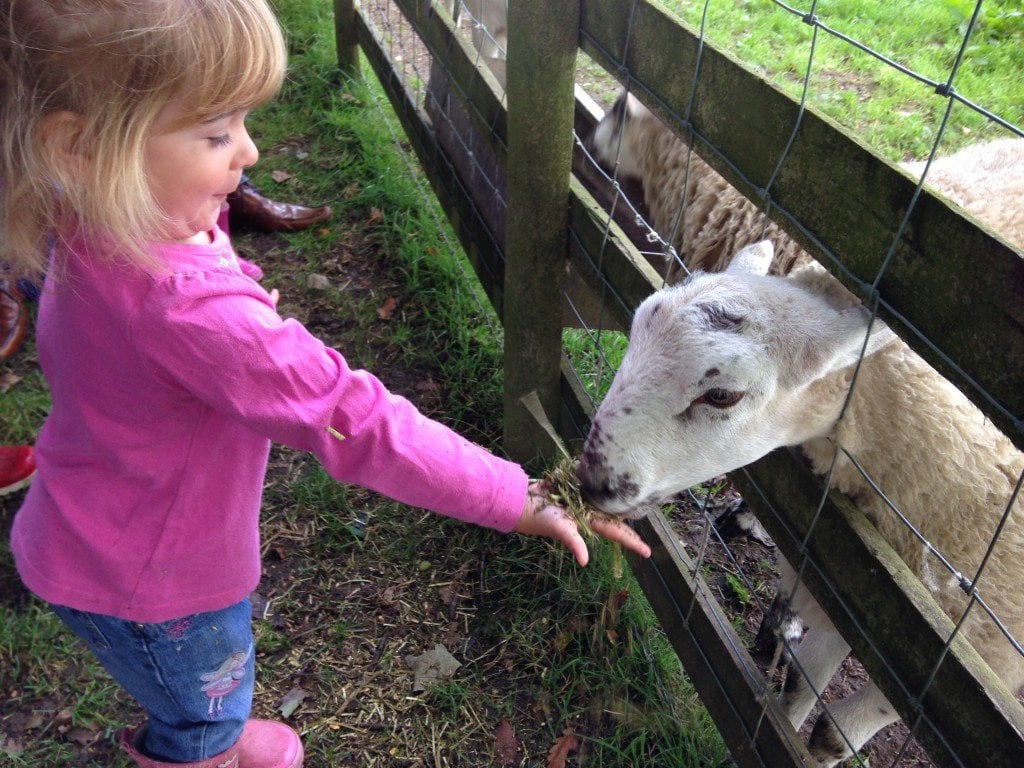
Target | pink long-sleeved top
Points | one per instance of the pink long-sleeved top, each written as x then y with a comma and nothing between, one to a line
168,389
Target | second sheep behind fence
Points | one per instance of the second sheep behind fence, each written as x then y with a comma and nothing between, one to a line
707,220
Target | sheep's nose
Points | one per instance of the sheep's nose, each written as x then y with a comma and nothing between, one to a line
594,485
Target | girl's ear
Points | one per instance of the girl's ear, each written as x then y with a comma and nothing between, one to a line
62,137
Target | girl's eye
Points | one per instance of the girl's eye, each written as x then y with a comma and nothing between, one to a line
719,398
220,141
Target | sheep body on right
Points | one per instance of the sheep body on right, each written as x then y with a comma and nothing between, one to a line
984,179
723,368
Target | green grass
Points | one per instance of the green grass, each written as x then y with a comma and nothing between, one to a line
23,408
595,356
895,113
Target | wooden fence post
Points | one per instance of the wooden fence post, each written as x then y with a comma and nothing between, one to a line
542,46
346,36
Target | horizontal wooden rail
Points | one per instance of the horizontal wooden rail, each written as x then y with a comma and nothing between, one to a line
473,81
482,246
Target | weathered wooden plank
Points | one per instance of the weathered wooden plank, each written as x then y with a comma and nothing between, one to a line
605,263
957,283
542,48
471,229
888,617
471,79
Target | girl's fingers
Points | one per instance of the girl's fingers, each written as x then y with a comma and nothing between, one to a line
577,546
616,530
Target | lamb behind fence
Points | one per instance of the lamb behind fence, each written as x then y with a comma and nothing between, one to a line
723,368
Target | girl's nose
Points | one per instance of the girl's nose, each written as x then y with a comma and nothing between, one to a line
248,153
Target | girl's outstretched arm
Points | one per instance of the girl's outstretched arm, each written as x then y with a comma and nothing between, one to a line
543,518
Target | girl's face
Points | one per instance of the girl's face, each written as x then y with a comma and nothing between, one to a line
191,170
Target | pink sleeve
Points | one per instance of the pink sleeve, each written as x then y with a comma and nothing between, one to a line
250,269
220,339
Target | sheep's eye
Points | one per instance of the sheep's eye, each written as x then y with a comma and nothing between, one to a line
720,398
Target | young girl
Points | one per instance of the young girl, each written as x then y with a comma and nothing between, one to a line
170,370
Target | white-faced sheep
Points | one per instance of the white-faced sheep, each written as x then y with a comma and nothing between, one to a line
723,368
707,220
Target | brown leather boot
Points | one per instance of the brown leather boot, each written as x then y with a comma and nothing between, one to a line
248,208
13,319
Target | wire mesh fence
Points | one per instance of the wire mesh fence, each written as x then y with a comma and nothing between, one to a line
956,523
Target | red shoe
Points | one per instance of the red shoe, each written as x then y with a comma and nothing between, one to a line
17,466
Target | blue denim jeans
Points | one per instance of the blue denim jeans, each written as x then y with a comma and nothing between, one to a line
193,675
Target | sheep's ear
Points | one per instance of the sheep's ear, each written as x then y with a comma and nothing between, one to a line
753,260
841,343
633,107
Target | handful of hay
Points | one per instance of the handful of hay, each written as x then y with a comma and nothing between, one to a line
563,489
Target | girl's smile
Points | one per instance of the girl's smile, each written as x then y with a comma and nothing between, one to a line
192,169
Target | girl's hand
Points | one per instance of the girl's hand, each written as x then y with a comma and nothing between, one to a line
543,518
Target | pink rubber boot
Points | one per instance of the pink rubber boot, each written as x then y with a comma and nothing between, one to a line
263,744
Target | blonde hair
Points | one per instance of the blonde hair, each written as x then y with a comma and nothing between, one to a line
113,65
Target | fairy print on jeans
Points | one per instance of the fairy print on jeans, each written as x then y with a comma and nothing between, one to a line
224,680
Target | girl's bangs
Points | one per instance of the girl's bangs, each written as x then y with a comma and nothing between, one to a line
236,63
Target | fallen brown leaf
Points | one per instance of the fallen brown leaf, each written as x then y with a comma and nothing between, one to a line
506,745
290,702
82,736
564,744
387,309
613,607
11,747
431,667
8,380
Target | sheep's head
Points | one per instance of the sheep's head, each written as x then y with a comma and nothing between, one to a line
716,375
613,140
